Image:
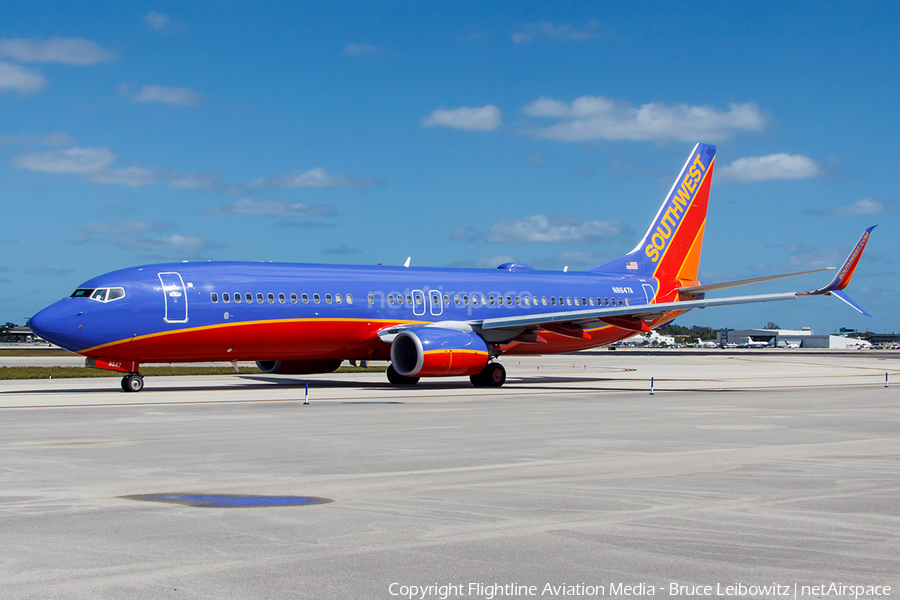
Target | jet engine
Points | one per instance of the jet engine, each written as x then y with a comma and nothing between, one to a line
438,352
297,367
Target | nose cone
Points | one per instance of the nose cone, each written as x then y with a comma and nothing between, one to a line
56,324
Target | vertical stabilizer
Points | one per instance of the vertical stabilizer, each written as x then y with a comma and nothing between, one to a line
671,247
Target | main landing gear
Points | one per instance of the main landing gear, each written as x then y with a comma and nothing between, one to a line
398,379
493,375
133,382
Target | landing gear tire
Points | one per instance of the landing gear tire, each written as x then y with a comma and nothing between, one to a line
398,379
133,382
493,375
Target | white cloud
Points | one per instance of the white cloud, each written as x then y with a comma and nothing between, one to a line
71,51
864,206
316,178
554,229
73,161
156,20
17,78
768,168
194,181
53,139
247,206
598,118
361,50
483,263
485,118
343,249
128,227
530,32
130,176
161,94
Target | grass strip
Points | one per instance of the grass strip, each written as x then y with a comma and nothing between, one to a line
8,373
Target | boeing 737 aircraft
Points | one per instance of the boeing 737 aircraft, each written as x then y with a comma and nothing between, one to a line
305,318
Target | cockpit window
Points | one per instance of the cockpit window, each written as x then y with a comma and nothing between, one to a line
99,294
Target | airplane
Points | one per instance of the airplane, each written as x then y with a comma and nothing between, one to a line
751,343
429,322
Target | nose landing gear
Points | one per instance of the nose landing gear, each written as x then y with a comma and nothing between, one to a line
133,382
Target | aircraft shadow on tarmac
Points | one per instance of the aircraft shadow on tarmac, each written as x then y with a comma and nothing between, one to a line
256,382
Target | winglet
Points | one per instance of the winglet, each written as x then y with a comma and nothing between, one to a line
845,273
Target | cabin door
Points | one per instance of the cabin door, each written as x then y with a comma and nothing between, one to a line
648,292
175,298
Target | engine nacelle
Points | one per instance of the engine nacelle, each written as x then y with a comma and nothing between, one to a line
298,367
437,352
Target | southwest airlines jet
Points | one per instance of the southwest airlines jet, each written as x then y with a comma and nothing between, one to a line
306,318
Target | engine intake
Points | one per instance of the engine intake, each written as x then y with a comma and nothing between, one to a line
437,352
298,367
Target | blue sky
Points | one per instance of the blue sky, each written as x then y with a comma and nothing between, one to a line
462,134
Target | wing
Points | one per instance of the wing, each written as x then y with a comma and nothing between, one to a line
572,323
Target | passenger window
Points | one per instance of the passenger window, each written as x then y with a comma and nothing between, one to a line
248,297
620,302
568,301
214,297
270,297
305,298
576,301
446,299
259,297
390,298
606,302
474,300
492,300
237,297
293,298
408,299
465,300
327,298
553,300
371,298
420,299
456,300
626,302
527,301
316,298
518,300
584,301
484,299
281,298
591,301
226,297
599,301
509,300
349,298
338,299
543,300
561,301
115,294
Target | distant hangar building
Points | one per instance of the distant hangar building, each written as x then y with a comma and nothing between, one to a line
803,338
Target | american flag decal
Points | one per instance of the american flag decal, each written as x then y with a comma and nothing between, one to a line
631,265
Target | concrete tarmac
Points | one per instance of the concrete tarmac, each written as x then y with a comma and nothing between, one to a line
746,470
